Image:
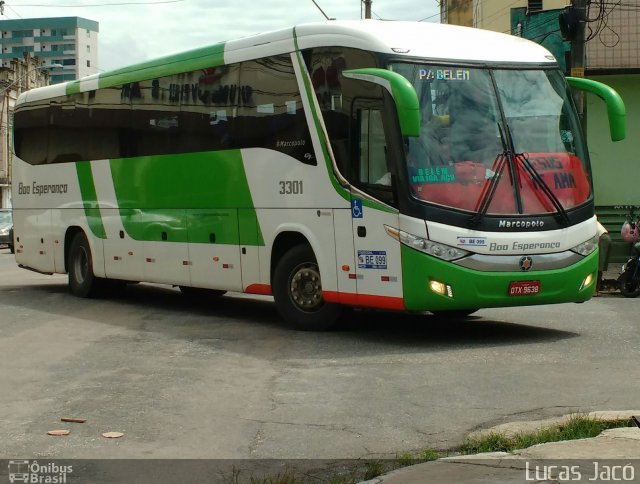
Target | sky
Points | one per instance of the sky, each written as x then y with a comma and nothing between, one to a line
136,30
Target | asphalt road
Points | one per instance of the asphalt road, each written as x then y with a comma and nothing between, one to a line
225,379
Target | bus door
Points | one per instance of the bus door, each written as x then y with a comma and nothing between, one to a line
377,255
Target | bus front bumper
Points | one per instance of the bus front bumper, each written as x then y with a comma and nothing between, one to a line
431,284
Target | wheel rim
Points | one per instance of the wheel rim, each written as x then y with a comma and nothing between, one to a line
81,265
305,288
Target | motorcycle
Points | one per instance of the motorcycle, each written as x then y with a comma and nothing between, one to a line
629,279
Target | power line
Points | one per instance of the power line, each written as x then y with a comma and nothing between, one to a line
321,11
100,4
9,7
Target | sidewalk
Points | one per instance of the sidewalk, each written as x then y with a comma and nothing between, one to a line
573,460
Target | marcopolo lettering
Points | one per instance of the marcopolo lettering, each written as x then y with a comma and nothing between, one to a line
520,224
290,144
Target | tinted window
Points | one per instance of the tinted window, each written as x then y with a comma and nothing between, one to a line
270,112
335,95
254,104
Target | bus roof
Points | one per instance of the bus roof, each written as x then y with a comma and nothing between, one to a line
437,42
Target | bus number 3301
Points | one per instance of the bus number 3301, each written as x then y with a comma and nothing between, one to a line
288,187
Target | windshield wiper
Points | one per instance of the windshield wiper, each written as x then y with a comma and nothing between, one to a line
487,196
540,183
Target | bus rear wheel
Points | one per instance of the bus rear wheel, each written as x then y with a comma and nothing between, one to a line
82,281
297,291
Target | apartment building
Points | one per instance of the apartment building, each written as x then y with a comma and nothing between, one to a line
69,41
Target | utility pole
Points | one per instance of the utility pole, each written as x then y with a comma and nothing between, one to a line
367,8
578,52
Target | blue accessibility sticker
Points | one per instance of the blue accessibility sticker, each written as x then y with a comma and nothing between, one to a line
356,208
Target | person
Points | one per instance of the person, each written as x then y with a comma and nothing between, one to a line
474,134
604,243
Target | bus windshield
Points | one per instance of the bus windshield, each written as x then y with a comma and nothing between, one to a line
496,141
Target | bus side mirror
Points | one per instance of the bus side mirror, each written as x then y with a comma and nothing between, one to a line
615,105
402,92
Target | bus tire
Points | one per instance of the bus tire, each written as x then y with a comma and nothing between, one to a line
82,281
297,291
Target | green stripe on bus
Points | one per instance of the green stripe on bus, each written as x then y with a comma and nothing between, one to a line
90,199
211,56
180,192
72,87
202,58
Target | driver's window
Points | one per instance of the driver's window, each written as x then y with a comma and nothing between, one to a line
372,171
373,160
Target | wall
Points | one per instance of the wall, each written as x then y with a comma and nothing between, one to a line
496,14
615,165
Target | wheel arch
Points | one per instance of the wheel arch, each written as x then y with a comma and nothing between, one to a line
289,235
283,242
69,235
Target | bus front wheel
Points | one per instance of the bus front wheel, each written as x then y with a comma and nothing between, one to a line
82,281
297,291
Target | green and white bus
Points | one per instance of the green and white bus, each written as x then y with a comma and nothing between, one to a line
393,165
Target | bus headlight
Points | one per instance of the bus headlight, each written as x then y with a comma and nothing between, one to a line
441,251
441,288
587,282
587,247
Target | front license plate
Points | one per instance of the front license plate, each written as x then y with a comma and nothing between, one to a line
524,288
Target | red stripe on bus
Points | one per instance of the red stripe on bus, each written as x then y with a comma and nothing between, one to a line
263,289
364,300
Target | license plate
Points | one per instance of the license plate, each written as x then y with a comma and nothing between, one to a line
372,259
524,288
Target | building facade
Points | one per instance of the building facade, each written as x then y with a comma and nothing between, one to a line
20,75
491,14
69,41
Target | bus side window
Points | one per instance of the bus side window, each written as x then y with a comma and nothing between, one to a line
335,94
270,109
374,174
337,124
372,149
